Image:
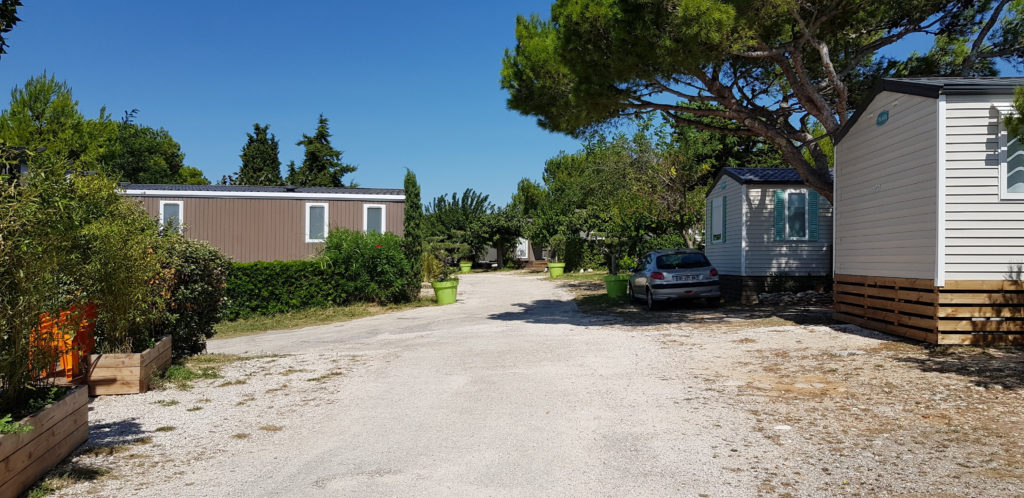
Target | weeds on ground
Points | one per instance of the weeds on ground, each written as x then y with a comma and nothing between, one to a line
309,317
581,277
64,476
205,366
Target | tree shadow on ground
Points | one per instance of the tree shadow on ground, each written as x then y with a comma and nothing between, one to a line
599,309
114,433
1001,367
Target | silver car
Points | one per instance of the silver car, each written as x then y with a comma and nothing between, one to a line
674,274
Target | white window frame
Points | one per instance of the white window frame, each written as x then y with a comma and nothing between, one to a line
716,215
181,214
807,212
383,216
1004,162
326,218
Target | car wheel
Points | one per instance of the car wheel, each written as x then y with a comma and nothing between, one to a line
631,293
651,303
713,302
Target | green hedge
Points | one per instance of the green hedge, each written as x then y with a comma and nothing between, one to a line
353,267
266,288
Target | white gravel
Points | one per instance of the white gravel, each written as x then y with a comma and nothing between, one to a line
513,392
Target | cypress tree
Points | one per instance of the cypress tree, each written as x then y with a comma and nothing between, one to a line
260,162
321,166
413,233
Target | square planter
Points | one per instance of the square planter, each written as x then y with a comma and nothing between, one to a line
56,431
127,373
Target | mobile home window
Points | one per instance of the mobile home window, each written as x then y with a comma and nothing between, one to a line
1012,168
796,215
171,217
316,222
717,221
373,218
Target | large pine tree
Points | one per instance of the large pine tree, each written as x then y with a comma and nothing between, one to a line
260,162
321,166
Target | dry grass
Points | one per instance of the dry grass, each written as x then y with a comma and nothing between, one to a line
310,317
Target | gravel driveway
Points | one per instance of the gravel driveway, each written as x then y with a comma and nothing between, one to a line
513,391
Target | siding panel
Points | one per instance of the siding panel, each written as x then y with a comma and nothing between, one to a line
886,190
984,235
266,229
766,256
726,256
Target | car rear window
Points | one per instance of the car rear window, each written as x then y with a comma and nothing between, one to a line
681,261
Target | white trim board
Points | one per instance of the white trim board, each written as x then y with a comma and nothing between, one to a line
383,216
327,211
940,194
181,214
261,195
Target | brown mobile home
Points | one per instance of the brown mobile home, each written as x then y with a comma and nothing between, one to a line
251,223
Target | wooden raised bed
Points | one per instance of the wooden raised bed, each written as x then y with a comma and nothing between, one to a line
128,373
56,431
961,312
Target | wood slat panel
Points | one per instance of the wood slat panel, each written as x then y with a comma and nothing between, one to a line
887,327
980,311
886,316
43,420
48,459
981,326
980,298
982,339
984,285
916,283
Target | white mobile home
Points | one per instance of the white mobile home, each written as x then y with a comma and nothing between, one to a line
929,212
765,231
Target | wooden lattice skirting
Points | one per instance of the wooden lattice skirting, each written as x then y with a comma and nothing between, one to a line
961,312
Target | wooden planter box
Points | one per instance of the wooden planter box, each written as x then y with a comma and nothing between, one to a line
126,373
56,431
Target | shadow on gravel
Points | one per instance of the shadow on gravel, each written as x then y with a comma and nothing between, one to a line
985,367
114,433
551,312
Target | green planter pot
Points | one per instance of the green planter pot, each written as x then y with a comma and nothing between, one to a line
465,266
616,285
556,269
446,291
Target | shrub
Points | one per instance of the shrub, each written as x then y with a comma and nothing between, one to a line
666,241
69,240
195,292
373,265
269,287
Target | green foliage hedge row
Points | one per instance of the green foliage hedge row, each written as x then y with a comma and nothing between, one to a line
353,267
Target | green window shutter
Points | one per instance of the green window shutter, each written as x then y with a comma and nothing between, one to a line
780,215
724,217
812,215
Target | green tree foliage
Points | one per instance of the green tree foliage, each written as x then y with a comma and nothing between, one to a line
321,165
8,18
141,154
1015,124
43,117
260,162
68,240
412,241
758,68
460,220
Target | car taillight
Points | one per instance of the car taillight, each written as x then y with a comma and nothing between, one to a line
658,275
714,272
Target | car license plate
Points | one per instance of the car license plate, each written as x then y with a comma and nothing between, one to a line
679,278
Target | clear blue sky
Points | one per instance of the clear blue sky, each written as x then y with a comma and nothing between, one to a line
405,84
